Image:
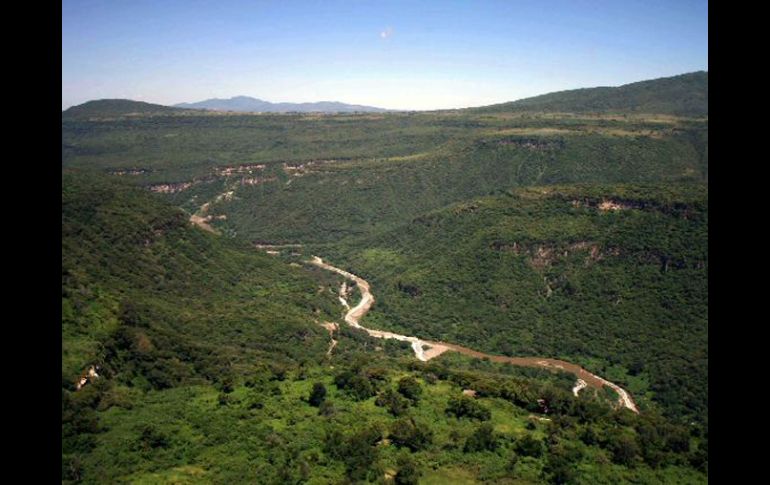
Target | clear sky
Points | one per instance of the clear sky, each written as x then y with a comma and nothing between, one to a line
392,54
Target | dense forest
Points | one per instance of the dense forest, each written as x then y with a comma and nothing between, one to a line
356,169
213,368
192,356
683,95
613,277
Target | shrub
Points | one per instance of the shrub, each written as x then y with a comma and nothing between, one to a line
396,405
483,439
317,395
408,473
406,433
410,388
529,446
465,406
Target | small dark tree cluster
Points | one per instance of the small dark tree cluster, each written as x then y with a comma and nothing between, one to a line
317,395
406,433
529,446
410,389
393,402
357,385
408,472
483,439
358,451
467,407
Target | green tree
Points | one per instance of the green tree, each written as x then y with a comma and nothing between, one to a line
361,452
624,449
406,433
483,439
317,395
408,472
465,406
410,388
395,404
326,408
529,446
356,385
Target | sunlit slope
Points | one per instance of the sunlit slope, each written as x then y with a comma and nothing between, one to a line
208,354
682,95
614,277
326,201
158,302
112,108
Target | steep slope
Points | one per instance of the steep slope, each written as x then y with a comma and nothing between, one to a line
135,273
361,196
211,369
281,169
109,108
683,95
254,105
612,277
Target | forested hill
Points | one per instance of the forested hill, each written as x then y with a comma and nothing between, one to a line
212,370
107,108
614,277
683,95
134,272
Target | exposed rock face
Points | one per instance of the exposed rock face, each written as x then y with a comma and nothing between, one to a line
170,188
608,205
86,377
534,144
543,255
130,171
256,180
240,169
297,169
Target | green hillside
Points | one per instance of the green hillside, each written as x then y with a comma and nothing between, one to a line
309,162
212,370
546,271
110,108
683,95
571,226
134,268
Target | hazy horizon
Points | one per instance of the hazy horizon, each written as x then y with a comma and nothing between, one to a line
401,55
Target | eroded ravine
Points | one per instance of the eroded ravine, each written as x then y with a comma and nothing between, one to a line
355,314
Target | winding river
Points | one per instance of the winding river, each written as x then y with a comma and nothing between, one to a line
425,350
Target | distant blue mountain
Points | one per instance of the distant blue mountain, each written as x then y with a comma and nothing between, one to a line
248,104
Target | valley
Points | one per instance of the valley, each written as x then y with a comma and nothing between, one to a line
540,271
434,349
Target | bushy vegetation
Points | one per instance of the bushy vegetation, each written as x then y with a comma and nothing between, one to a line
547,272
577,236
110,108
683,95
357,168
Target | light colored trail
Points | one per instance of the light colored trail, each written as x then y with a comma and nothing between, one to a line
331,327
355,314
277,246
580,384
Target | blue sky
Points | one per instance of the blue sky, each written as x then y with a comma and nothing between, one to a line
392,54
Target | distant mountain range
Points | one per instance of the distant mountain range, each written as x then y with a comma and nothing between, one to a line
682,95
253,105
